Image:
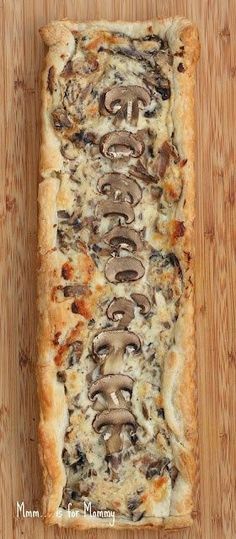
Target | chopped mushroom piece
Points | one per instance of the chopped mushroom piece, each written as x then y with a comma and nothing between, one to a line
72,93
74,290
85,66
166,151
158,84
133,503
158,467
174,472
60,119
140,172
51,80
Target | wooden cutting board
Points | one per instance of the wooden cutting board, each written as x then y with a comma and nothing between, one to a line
20,59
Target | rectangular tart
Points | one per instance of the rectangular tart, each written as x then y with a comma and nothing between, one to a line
115,285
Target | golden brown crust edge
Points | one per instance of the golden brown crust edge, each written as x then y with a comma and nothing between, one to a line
180,364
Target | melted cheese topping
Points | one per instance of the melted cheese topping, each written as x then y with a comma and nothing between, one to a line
102,60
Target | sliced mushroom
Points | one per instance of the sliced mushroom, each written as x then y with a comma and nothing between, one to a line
110,387
120,144
118,186
140,172
60,118
110,346
125,101
106,208
114,419
127,268
124,237
142,302
121,306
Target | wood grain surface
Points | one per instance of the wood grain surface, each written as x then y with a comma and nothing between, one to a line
20,63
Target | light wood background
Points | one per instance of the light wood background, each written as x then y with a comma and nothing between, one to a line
20,60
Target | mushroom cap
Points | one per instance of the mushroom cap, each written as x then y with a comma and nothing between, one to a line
112,182
118,144
126,238
127,268
111,383
116,417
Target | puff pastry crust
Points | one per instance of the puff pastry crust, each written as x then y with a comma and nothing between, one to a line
115,284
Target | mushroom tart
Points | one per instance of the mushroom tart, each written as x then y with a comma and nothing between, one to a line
115,285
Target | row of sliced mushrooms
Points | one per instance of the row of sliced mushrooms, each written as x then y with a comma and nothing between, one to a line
111,393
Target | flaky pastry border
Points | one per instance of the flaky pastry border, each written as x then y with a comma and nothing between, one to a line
178,378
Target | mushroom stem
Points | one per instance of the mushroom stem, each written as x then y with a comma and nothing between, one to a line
114,460
113,362
114,443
